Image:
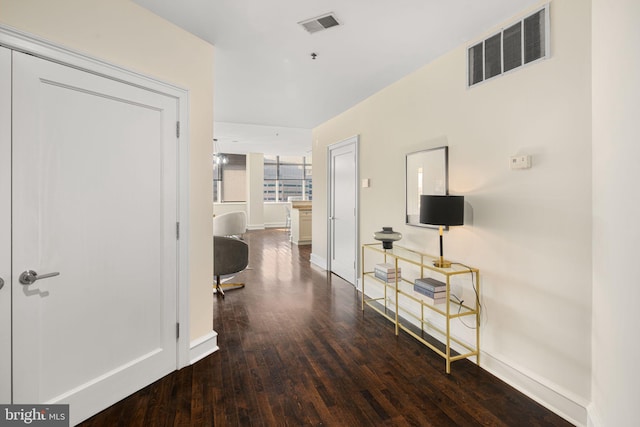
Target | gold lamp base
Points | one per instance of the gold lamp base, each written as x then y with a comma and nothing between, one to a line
442,263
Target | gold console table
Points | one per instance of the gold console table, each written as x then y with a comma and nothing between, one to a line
397,295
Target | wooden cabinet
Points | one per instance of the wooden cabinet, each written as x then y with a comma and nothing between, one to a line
394,296
301,225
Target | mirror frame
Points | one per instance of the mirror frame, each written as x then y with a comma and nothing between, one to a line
423,159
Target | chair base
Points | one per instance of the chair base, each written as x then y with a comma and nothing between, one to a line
219,289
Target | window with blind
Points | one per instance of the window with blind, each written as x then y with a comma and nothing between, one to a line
287,178
521,43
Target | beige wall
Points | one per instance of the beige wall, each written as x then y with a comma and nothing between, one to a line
531,230
275,214
123,33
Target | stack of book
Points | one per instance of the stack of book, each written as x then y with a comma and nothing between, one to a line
386,272
434,290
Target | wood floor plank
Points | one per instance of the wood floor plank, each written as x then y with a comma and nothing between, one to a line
297,350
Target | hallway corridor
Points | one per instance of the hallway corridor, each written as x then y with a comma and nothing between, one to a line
296,349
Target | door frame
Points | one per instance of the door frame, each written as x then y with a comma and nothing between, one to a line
5,224
355,142
23,42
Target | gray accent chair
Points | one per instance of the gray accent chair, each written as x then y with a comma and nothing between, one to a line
230,256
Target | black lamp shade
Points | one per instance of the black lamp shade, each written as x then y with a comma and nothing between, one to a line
442,210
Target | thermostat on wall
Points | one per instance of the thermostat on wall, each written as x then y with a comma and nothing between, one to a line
520,162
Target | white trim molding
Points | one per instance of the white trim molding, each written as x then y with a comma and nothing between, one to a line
593,416
318,261
203,347
561,402
275,225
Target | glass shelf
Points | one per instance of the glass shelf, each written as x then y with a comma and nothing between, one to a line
398,302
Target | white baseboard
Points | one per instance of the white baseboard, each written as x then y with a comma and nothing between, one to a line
301,242
572,409
203,346
255,227
318,261
593,417
275,225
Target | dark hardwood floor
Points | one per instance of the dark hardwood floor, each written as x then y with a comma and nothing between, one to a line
296,350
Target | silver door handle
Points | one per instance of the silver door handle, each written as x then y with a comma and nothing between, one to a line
1,282
29,277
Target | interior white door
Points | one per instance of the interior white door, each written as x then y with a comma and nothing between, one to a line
94,198
343,178
5,225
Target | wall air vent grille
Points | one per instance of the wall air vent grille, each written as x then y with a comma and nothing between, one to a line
521,43
320,23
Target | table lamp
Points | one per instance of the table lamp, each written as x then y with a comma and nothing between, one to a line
442,211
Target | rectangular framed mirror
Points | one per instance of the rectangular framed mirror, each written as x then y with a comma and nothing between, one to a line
427,172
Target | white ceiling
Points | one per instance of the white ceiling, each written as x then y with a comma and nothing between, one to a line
266,78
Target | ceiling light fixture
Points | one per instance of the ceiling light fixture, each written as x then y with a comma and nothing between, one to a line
218,157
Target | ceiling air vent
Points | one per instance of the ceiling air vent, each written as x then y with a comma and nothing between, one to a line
320,23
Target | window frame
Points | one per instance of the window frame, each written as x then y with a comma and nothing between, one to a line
279,183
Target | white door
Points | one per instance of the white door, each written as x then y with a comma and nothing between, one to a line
343,198
5,225
94,198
